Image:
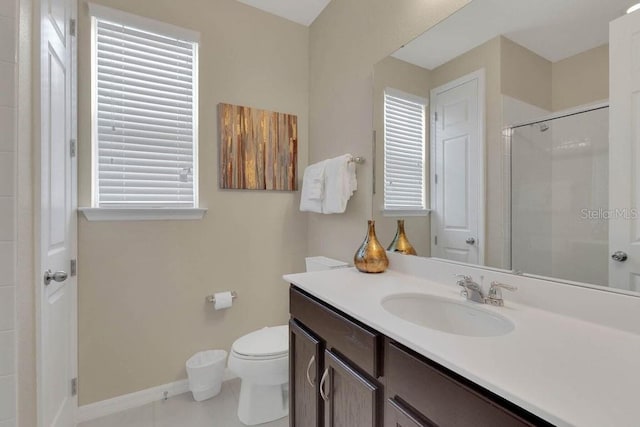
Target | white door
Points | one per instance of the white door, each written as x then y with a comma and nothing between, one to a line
457,172
624,152
57,296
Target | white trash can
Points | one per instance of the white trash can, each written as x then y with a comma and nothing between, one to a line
205,370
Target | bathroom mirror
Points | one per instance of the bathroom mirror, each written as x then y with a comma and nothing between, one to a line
492,140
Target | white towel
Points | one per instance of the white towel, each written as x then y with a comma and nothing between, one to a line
313,188
353,182
339,184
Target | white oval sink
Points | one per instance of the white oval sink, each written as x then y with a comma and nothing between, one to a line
459,318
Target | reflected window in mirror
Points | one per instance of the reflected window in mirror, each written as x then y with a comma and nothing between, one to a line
404,153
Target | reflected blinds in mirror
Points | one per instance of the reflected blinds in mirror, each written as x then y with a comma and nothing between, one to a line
404,152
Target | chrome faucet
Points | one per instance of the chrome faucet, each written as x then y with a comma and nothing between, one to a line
495,293
470,289
473,292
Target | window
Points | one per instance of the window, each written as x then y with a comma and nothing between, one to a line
144,95
404,153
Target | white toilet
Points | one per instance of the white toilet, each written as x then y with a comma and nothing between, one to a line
261,360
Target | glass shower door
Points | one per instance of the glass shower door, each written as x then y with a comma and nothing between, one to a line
559,197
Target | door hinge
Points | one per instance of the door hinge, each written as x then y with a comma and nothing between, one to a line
435,240
72,147
73,268
74,387
435,178
435,116
72,27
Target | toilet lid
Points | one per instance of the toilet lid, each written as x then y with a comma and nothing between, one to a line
269,341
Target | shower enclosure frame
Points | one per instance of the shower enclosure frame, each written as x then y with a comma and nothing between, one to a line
507,164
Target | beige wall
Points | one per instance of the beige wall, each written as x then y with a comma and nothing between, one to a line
525,75
346,40
396,74
142,285
581,79
578,80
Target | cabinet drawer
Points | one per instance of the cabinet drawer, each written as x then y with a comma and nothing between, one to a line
443,399
397,415
361,345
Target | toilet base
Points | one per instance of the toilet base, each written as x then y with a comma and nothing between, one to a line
260,404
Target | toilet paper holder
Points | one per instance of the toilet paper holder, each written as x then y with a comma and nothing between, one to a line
212,299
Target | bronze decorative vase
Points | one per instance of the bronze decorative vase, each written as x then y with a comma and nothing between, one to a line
371,256
400,243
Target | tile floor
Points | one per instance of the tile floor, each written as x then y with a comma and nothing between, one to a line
183,411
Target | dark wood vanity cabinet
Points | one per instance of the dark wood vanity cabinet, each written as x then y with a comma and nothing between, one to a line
345,374
346,392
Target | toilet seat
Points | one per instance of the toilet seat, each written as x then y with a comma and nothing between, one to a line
253,357
264,344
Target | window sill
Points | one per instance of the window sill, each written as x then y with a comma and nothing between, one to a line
142,214
403,213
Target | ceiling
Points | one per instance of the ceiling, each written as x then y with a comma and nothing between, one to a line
301,11
554,29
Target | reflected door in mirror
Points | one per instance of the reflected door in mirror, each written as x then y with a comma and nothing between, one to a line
457,155
624,227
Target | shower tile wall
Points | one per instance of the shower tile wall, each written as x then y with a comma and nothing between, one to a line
580,170
8,99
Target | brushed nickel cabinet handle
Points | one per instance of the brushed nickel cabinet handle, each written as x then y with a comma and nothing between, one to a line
325,397
311,361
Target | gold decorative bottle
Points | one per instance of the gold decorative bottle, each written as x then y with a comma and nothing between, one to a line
400,243
371,256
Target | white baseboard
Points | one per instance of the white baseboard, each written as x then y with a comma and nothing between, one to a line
137,399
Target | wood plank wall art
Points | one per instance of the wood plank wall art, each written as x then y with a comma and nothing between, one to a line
258,149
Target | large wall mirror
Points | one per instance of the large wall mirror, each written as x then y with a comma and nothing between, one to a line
493,140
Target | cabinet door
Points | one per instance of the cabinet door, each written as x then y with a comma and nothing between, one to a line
305,367
351,400
396,414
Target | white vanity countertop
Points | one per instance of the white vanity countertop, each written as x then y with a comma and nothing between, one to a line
567,371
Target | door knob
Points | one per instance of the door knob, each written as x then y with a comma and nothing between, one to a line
470,241
619,256
58,276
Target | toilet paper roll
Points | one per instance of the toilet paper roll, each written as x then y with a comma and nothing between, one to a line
223,300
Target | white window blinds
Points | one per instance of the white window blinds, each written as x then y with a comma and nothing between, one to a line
145,140
404,152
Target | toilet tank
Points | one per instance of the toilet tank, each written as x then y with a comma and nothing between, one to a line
319,263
